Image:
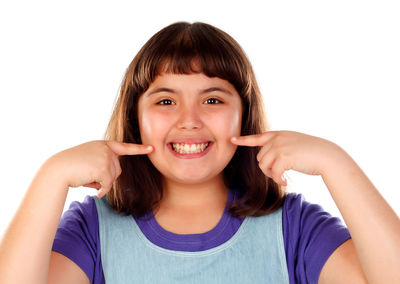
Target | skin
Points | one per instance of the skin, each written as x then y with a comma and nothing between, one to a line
371,255
186,111
27,243
360,258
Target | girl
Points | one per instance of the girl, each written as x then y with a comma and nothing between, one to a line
191,190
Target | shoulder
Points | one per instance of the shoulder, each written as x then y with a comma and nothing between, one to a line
311,235
302,215
78,211
77,236
80,221
296,202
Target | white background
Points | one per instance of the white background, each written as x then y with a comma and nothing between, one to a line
325,68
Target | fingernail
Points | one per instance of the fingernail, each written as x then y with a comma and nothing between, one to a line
284,180
234,138
149,148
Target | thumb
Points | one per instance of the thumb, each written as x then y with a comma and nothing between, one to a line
100,193
122,148
103,189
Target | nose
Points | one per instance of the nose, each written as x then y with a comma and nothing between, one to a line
189,119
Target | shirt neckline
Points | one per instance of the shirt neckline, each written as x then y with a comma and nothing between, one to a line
223,231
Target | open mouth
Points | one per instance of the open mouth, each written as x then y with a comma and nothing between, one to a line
183,148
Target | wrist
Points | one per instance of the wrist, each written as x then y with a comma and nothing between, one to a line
338,161
52,171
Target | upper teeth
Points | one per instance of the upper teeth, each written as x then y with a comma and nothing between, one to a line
189,148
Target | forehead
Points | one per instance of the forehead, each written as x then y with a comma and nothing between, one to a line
193,81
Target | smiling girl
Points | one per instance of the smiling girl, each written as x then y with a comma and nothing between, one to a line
191,190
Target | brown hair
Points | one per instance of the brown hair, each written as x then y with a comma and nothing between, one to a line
178,48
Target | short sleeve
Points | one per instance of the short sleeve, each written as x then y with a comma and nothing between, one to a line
311,235
77,236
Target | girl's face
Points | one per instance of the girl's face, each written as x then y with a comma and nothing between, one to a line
189,120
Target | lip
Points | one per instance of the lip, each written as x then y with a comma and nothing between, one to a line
190,156
189,141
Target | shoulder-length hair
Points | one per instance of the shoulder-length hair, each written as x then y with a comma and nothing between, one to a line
183,48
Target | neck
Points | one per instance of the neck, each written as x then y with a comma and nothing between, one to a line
212,193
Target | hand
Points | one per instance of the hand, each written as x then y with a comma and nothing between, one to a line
95,164
289,150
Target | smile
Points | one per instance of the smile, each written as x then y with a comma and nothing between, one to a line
189,148
189,151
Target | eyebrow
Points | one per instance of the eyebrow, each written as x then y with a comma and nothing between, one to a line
205,91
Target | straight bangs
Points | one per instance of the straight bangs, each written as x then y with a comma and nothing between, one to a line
184,48
191,48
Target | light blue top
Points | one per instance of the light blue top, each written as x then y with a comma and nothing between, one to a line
254,254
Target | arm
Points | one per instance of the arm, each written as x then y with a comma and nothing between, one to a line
64,271
345,260
373,225
25,250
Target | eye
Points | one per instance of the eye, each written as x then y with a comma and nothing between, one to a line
165,102
213,101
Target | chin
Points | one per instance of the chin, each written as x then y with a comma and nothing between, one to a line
190,179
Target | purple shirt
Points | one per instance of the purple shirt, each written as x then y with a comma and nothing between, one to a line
310,236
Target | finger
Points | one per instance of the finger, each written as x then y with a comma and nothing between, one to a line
278,171
274,167
121,148
253,140
105,187
101,191
264,150
266,164
115,171
117,167
95,185
107,178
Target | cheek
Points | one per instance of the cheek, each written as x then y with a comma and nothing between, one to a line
228,125
236,124
152,127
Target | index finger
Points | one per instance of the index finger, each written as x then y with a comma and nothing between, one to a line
122,148
252,140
